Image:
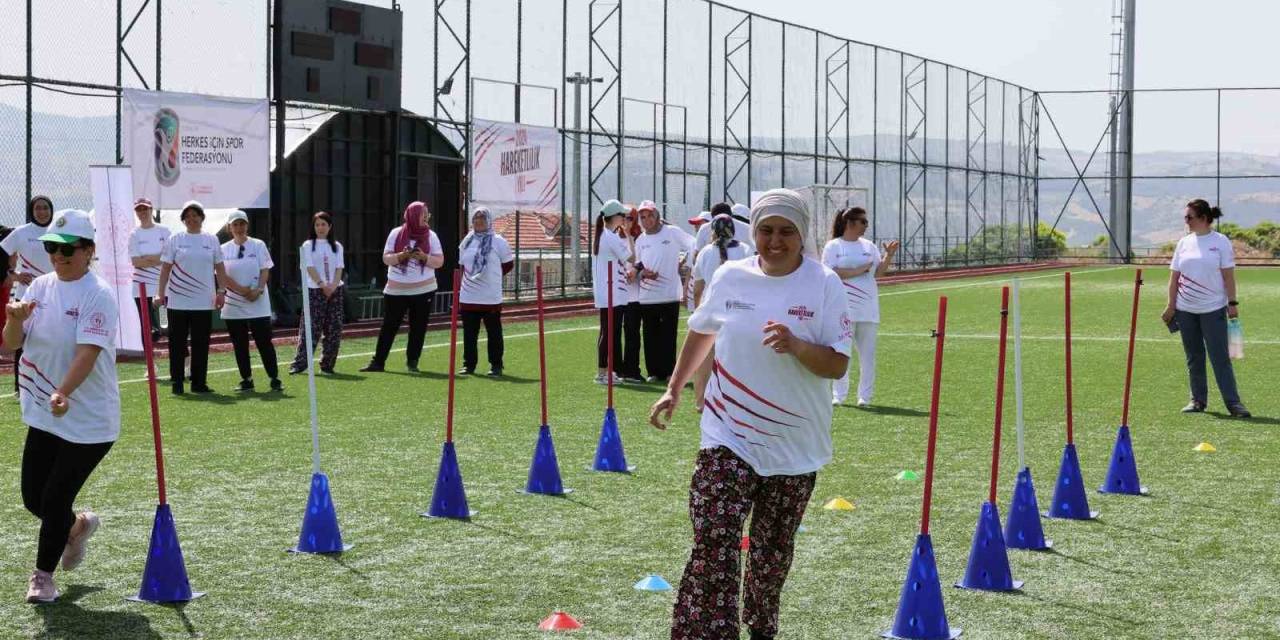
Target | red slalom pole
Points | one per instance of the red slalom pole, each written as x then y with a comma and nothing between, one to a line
1133,332
151,383
542,346
995,441
453,351
1071,436
939,334
609,338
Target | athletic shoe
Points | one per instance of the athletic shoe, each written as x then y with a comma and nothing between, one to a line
328,370
276,385
177,389
78,541
467,371
201,389
1237,410
1194,407
495,372
835,402
863,404
245,385
633,379
411,366
293,370
41,589
602,380
655,379
372,367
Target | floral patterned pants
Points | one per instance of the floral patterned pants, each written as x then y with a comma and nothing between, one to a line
725,489
326,328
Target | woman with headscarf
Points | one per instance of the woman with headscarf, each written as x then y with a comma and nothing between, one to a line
326,263
27,259
608,248
484,257
1202,297
723,247
192,285
412,254
858,262
70,399
780,328
146,243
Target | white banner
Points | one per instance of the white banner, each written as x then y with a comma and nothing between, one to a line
515,166
113,221
185,146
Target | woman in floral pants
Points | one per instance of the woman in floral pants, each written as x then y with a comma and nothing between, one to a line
323,257
781,331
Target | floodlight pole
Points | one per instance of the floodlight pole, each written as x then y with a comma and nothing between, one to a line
577,80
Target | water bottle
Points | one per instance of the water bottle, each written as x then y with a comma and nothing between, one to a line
162,316
1235,339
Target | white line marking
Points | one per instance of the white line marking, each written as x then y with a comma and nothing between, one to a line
993,281
1058,338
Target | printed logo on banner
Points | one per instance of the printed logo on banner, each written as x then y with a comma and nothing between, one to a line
166,150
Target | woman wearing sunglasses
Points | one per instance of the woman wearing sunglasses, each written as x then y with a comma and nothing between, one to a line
248,304
66,325
191,277
858,262
1202,296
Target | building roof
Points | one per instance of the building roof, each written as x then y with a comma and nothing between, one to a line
538,231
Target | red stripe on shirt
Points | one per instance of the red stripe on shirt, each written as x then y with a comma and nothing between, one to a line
719,367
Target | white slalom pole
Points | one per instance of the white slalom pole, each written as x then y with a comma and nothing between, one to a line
1017,370
311,372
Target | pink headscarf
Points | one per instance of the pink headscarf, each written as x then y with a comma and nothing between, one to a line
414,230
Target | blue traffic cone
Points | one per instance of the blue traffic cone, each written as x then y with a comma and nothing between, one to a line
544,473
449,500
1069,500
1122,475
164,579
988,568
1022,530
320,533
609,455
920,612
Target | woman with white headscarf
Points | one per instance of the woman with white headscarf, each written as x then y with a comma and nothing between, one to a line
781,332
484,257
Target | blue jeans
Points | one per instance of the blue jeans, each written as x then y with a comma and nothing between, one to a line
1208,330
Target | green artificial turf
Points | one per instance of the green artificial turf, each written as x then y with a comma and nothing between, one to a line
1197,558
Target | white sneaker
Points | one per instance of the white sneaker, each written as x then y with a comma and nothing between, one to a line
863,404
600,379
78,542
835,402
41,589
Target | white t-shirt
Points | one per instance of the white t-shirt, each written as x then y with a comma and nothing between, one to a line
862,291
413,277
147,242
484,287
613,248
69,314
191,285
767,407
708,261
660,252
326,260
245,271
741,233
24,242
1199,261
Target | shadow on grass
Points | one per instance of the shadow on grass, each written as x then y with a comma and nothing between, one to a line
1222,507
207,398
1136,531
889,411
642,388
420,374
506,377
1091,611
336,558
1078,560
66,619
344,377
1244,421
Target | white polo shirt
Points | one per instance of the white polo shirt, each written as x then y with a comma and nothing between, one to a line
660,252
1199,261
861,291
25,243
708,261
246,271
69,314
413,277
326,259
615,249
484,287
147,242
741,233
192,285
764,406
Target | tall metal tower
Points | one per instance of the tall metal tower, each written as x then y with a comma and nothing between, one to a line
1120,184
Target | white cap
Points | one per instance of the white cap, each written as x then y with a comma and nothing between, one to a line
647,204
68,226
238,216
191,204
612,208
741,211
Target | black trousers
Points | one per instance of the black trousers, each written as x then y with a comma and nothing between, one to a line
602,341
53,471
630,365
239,331
471,336
393,310
659,323
195,325
145,306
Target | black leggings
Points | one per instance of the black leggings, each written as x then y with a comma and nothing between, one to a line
602,344
145,306
630,365
393,310
53,470
239,331
197,325
471,336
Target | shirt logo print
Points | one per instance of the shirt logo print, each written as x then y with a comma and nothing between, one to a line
802,312
738,305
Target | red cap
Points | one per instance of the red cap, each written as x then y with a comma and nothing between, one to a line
142,202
